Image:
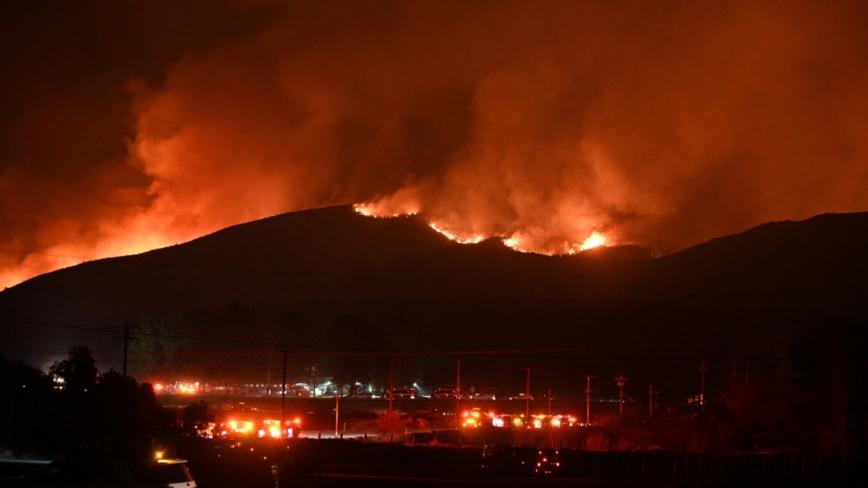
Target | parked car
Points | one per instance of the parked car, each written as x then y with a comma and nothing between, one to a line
522,396
445,393
451,393
107,473
364,396
404,394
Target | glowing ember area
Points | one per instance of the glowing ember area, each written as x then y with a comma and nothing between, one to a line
513,243
372,211
596,240
455,237
401,203
362,209
521,243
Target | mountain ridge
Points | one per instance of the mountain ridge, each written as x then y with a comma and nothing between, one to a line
324,264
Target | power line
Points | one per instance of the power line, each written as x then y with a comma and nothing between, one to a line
549,354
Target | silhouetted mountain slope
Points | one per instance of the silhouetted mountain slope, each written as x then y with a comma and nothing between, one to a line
828,251
295,249
334,237
299,273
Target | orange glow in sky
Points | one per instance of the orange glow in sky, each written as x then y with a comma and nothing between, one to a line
648,125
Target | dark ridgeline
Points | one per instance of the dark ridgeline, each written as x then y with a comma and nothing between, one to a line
304,279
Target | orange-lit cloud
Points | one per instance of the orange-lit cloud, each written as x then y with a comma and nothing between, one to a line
540,123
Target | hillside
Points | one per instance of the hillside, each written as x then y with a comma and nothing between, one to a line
298,279
828,251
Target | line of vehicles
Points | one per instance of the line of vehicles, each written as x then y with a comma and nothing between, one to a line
475,417
440,393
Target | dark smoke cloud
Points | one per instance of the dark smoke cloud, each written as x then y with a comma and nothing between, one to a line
536,121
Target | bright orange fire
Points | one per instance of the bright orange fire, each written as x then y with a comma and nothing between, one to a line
370,210
455,237
514,243
595,240
511,242
518,241
403,202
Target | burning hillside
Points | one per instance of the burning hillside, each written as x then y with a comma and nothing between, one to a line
518,241
122,129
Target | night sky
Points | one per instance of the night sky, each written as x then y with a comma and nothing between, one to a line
127,126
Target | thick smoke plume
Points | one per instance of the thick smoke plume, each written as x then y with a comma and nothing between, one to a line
540,122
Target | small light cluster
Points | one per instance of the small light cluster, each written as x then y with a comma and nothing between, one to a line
266,428
475,418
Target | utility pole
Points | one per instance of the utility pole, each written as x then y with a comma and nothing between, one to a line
703,369
651,393
458,393
391,386
268,376
527,399
337,413
283,398
588,398
550,402
312,370
126,340
621,379
733,378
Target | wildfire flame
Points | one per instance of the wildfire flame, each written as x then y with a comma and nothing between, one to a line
514,243
517,241
402,203
369,210
595,240
455,237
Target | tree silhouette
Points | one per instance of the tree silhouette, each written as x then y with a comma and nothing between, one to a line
121,408
24,405
196,416
78,371
159,344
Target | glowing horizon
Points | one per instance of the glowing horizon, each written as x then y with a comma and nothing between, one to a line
702,123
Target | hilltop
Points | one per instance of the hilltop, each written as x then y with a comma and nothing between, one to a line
299,278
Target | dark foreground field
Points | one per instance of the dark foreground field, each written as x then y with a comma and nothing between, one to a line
354,464
345,463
